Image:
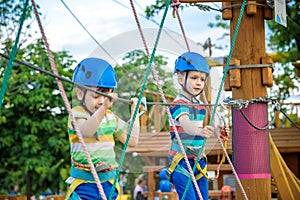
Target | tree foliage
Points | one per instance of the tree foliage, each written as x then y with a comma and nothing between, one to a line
34,142
34,147
155,8
286,42
287,39
131,76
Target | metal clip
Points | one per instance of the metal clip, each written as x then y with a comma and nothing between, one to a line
277,106
144,104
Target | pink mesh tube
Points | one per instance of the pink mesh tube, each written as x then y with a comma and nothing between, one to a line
251,146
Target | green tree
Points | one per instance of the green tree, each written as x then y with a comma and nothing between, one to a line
34,142
286,42
34,147
131,75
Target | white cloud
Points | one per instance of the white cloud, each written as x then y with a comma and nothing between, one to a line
105,19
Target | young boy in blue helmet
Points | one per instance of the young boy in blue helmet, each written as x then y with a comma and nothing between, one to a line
100,129
192,71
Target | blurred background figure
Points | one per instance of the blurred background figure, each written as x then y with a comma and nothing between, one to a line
14,190
139,189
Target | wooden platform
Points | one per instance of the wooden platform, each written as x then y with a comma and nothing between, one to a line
287,140
213,194
55,197
13,197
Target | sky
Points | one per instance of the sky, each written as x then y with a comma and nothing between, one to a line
106,20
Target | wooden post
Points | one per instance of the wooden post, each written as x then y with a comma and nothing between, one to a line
249,48
152,174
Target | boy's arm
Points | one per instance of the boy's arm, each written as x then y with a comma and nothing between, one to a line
89,126
134,137
192,129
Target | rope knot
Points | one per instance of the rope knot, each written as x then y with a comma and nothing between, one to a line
175,4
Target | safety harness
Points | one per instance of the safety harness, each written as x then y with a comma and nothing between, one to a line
175,167
80,174
191,149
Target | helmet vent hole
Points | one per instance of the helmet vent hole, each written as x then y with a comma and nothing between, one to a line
88,74
83,68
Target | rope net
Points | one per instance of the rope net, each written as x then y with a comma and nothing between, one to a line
121,150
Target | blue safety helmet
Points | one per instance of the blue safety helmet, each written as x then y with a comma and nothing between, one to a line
191,61
95,72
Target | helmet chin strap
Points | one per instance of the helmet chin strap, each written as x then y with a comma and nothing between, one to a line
82,103
186,90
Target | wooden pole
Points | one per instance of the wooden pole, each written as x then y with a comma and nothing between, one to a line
250,49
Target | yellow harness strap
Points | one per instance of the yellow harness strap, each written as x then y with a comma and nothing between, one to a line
73,186
223,156
118,189
176,160
202,171
77,182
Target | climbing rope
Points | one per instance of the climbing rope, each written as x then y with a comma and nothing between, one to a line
12,56
252,124
217,100
218,138
67,104
175,4
140,97
296,125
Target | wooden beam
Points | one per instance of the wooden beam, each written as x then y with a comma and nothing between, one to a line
291,179
214,167
278,173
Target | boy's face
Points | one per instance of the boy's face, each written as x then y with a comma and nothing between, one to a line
93,100
194,83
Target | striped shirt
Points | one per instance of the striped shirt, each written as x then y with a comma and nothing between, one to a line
100,147
196,115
